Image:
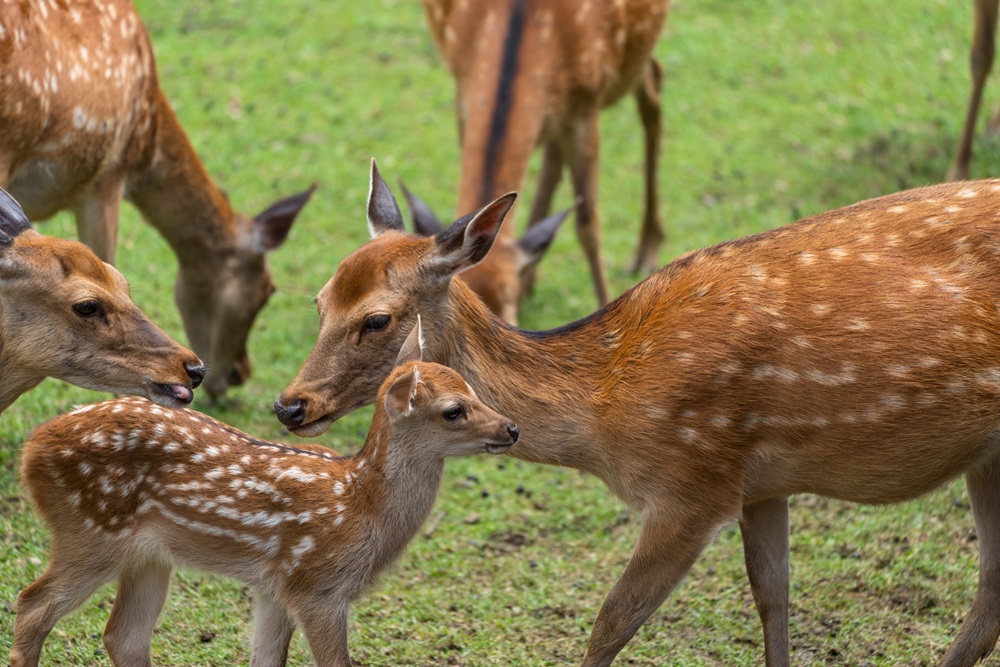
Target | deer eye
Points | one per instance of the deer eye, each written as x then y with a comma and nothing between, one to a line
87,308
376,322
452,413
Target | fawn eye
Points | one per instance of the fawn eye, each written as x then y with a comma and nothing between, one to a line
87,308
376,322
452,413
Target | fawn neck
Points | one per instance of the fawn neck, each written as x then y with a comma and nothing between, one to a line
177,196
15,378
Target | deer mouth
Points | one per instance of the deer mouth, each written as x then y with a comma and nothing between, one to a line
497,448
313,428
170,395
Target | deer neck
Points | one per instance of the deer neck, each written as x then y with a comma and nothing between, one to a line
176,195
15,378
538,379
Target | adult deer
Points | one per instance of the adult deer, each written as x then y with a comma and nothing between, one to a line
530,72
66,314
308,530
854,354
83,122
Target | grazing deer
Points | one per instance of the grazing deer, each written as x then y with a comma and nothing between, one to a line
538,72
309,531
854,354
83,122
66,314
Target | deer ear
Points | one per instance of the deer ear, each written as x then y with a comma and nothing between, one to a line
465,242
413,347
425,222
383,211
13,221
532,246
271,226
401,395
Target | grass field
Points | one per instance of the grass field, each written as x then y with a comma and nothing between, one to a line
773,109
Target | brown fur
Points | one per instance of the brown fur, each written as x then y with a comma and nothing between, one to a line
575,58
129,490
83,122
854,354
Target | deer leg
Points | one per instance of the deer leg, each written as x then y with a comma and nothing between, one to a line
764,527
59,590
665,552
97,215
584,146
140,597
981,628
548,180
647,97
272,632
325,628
981,60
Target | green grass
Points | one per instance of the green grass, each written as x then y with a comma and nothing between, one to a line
773,110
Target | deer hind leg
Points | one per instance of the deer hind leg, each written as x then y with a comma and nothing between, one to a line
97,215
272,632
62,588
665,552
764,527
325,627
981,60
140,597
548,180
647,97
583,150
982,626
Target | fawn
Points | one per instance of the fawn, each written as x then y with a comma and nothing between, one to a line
84,123
854,354
538,72
66,314
129,490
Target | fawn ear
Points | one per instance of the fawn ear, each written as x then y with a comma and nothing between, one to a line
465,242
413,347
13,221
383,211
425,222
532,246
271,226
401,395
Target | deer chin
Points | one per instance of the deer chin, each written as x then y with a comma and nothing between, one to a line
313,428
497,448
169,395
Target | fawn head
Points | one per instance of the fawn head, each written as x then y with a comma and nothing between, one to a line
67,314
219,303
436,407
371,303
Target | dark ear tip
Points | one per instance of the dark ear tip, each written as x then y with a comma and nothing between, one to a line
13,220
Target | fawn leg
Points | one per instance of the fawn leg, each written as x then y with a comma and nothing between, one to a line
647,97
982,626
140,597
764,527
325,627
272,632
548,179
584,146
97,215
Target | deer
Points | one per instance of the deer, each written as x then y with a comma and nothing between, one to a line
538,72
66,314
980,63
84,124
308,530
854,354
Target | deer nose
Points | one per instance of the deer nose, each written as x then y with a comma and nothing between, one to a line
291,414
195,371
513,431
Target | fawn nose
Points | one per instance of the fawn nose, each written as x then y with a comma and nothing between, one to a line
195,371
513,431
291,414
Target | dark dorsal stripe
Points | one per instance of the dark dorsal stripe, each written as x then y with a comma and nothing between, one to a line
13,221
504,97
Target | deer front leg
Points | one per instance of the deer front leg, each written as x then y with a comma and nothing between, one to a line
97,214
981,60
325,626
981,628
647,97
140,597
764,527
665,552
272,632
583,150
